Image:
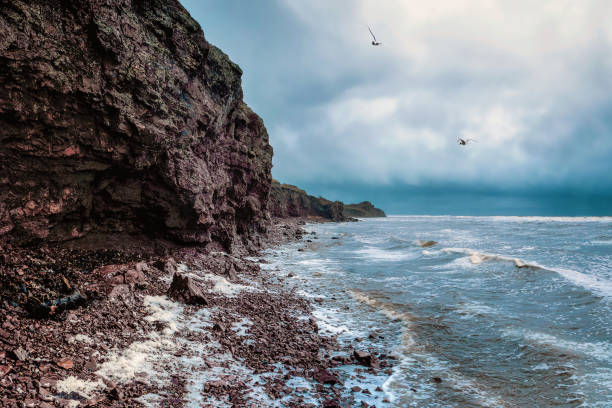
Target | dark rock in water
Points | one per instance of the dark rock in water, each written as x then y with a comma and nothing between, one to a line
184,289
437,380
363,358
426,244
364,209
325,377
118,116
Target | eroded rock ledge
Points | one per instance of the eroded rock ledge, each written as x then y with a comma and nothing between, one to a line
118,116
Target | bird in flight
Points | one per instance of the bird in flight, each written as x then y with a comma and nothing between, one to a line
463,142
374,42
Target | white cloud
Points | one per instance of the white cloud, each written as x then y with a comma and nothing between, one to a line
518,76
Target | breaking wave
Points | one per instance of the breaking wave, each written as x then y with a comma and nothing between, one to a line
592,283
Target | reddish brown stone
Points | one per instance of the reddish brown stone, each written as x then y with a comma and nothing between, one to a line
65,363
184,289
4,369
143,131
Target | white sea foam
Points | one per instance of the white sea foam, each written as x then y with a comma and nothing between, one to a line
84,388
219,283
222,285
601,351
329,322
469,310
81,338
599,285
315,262
542,366
144,356
378,255
242,326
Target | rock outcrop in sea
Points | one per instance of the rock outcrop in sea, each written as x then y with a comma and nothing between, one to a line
364,209
118,116
287,200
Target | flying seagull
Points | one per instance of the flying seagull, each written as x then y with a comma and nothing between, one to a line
374,42
463,142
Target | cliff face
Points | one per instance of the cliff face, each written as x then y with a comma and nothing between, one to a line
364,209
289,201
118,116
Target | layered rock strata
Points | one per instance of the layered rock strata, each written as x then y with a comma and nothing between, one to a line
118,116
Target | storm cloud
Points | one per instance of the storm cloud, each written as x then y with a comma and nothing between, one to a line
531,82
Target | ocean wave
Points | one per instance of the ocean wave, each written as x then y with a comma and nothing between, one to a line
602,242
592,283
390,312
476,258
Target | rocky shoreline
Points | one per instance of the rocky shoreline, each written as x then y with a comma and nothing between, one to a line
136,197
125,343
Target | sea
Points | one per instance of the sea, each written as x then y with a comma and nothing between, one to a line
498,312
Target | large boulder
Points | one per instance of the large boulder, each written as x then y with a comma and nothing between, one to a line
184,289
118,116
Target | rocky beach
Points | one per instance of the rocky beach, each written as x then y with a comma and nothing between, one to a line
183,329
136,199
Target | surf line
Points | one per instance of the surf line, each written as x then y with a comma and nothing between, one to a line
589,282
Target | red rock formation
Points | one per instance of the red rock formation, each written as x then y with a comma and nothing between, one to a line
118,116
289,201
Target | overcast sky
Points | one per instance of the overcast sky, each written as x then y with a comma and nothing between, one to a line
530,81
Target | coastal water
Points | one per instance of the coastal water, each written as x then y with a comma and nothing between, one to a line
501,312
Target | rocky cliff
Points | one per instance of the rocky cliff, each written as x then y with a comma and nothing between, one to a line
364,209
289,201
118,116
